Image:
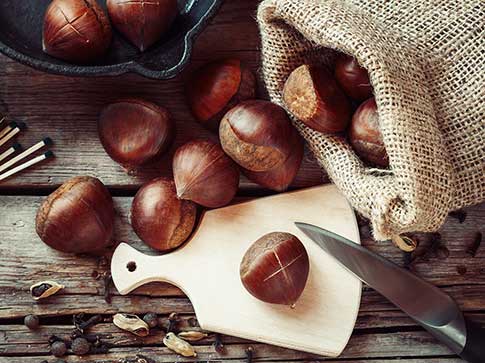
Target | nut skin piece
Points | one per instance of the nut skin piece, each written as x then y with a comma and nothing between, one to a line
159,218
216,87
31,322
142,22
312,95
275,268
352,78
280,177
256,134
134,132
204,174
44,289
178,345
76,30
131,323
365,135
78,217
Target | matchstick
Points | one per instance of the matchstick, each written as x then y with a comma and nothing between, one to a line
7,129
15,147
15,131
38,159
47,141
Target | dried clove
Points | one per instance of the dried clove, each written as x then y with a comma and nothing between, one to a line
172,322
459,214
192,336
81,324
107,283
473,248
178,345
218,346
131,323
249,354
44,289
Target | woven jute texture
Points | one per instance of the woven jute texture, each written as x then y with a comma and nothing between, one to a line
426,61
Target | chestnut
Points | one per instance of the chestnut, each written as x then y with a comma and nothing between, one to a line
353,79
134,132
256,134
76,30
216,87
159,218
142,22
275,268
365,135
280,177
204,174
312,95
78,217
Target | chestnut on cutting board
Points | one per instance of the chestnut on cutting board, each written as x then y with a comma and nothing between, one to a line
275,268
76,30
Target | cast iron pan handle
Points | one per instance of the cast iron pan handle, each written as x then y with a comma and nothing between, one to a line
474,351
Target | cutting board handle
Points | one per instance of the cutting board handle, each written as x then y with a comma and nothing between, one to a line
131,268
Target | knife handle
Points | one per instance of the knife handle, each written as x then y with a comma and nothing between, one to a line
474,351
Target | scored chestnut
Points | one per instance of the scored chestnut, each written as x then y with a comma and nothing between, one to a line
159,218
142,22
256,134
204,174
312,95
216,87
134,132
365,134
280,177
353,79
78,217
275,268
76,30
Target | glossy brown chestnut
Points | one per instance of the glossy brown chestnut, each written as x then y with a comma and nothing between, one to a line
313,96
256,134
218,86
280,177
204,174
365,134
275,268
76,30
134,132
159,218
142,22
352,78
78,217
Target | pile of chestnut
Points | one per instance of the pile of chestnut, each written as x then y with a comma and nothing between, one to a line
80,31
323,101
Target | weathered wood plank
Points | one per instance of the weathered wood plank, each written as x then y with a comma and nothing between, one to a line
67,108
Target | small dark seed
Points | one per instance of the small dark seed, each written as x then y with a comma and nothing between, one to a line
80,346
218,346
151,319
39,290
31,322
58,348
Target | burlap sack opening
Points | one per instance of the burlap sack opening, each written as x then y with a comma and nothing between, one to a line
425,61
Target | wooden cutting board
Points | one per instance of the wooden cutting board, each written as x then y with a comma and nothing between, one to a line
207,269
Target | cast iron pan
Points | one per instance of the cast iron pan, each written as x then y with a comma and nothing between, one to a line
21,39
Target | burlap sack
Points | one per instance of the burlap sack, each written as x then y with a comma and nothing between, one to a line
426,61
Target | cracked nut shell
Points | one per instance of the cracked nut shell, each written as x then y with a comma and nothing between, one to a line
275,268
76,30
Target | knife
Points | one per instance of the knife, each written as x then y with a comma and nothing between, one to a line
436,311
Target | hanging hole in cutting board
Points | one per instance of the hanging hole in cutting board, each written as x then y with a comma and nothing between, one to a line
131,266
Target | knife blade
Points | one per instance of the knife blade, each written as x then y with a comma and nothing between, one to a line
436,311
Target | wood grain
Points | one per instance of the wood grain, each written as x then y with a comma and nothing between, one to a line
67,108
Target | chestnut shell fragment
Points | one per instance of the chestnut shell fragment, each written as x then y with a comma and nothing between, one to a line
76,30
134,132
159,218
78,217
275,268
142,22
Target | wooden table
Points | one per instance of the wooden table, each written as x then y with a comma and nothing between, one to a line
66,109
